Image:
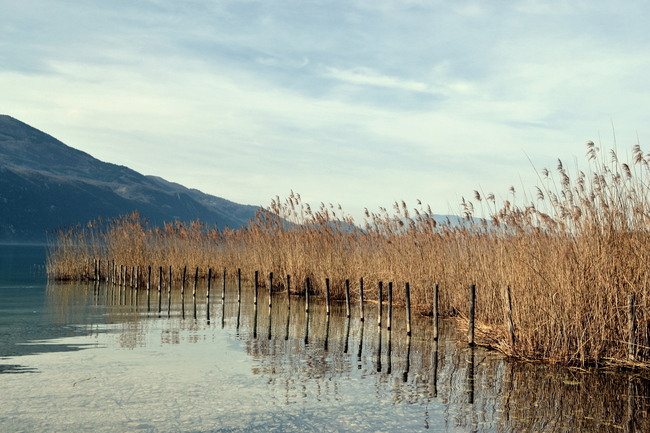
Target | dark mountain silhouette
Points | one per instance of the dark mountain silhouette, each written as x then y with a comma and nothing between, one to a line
45,184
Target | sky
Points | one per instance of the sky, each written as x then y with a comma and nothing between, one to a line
358,102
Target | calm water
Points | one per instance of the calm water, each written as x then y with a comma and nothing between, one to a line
77,357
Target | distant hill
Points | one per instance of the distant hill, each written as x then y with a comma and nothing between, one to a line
45,184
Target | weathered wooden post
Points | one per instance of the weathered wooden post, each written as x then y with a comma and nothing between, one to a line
149,277
288,292
223,287
510,327
361,299
435,312
307,295
256,287
407,290
169,287
347,298
472,311
327,295
196,280
379,302
631,326
183,280
270,289
238,288
390,306
207,295
160,279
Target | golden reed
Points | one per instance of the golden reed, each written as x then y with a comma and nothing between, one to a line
571,254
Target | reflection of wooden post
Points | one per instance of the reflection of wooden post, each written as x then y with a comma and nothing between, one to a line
407,289
327,295
472,311
361,299
470,377
631,326
631,406
347,298
510,327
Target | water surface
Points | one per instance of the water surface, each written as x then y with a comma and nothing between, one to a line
85,357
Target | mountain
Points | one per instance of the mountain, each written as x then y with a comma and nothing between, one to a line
45,184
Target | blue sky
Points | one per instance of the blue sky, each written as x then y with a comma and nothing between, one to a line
358,103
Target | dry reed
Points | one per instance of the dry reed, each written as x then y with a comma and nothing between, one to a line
571,255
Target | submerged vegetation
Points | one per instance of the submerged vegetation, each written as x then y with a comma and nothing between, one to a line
571,254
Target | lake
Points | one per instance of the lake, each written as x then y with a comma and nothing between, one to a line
86,357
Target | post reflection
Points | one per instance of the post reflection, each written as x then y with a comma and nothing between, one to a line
478,390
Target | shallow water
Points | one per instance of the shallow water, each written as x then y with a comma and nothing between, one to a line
78,357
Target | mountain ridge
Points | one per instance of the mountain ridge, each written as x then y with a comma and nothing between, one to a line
45,184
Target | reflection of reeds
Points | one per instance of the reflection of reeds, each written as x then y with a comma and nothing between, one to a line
571,255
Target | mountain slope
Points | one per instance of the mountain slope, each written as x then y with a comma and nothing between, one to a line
45,184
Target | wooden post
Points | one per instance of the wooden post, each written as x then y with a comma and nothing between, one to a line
207,294
631,326
169,286
327,295
137,277
307,295
256,287
196,280
223,287
238,288
288,292
347,298
435,312
361,299
131,276
270,289
390,306
379,302
149,277
183,280
407,290
472,311
160,278
510,327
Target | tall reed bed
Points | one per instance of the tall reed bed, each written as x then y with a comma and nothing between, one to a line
571,253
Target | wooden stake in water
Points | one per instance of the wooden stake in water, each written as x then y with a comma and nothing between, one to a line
183,280
256,287
288,292
270,289
347,298
390,306
149,277
435,312
407,291
472,311
379,302
508,317
238,288
160,279
223,287
169,286
307,295
207,295
361,299
196,280
327,295
631,328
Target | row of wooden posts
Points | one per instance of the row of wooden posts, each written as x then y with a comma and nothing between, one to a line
119,275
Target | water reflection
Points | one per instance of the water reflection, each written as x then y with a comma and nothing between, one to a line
305,353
